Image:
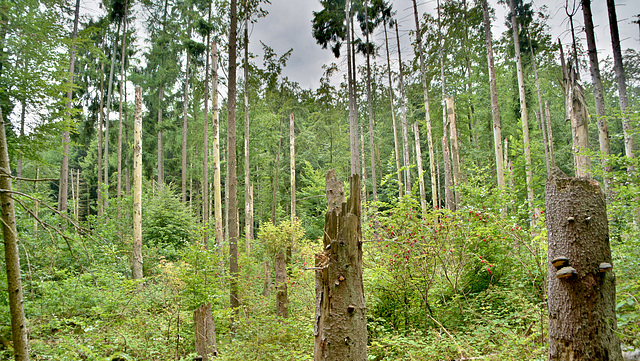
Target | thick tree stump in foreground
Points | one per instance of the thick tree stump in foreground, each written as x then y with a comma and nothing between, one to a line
341,325
205,330
582,319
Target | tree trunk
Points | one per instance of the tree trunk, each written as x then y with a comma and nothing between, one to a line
495,110
582,318
64,168
205,332
620,78
403,107
107,120
455,152
552,155
363,164
268,284
423,198
248,214
120,115
276,176
434,191
184,130
282,301
232,162
374,186
160,144
100,141
598,90
393,112
11,253
217,187
576,112
523,108
448,174
137,188
353,115
292,165
341,325
205,145
540,116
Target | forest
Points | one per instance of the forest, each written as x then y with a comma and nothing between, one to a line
170,192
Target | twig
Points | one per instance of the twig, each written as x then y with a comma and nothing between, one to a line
450,336
7,174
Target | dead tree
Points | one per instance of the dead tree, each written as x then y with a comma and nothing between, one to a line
581,285
205,333
341,324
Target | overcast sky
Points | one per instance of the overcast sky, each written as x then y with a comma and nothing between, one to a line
288,25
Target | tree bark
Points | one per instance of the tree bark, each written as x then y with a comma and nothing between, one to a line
448,174
582,319
100,141
434,190
184,130
64,168
393,112
120,112
282,301
353,115
107,120
248,213
374,185
495,109
403,107
423,198
160,144
205,145
523,108
137,188
292,165
598,90
205,332
217,187
576,112
11,254
455,152
341,325
620,78
232,162
552,154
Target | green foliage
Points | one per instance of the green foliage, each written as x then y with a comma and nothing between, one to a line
276,238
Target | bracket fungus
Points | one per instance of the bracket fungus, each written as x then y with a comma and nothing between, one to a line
566,272
605,266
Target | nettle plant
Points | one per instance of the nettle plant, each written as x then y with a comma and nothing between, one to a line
436,259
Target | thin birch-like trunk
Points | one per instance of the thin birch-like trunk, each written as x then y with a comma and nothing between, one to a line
205,144
405,127
434,191
248,214
393,112
137,189
184,130
217,187
121,98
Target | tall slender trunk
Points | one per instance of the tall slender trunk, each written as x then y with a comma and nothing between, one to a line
353,116
184,130
370,108
455,151
620,78
434,191
493,87
122,80
449,180
217,187
205,175
107,115
363,162
598,90
523,107
393,112
276,176
540,116
11,254
403,107
64,169
100,140
248,215
232,161
547,113
137,188
292,165
160,144
423,199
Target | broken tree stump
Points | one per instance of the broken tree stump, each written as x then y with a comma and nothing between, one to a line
205,333
340,324
581,284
